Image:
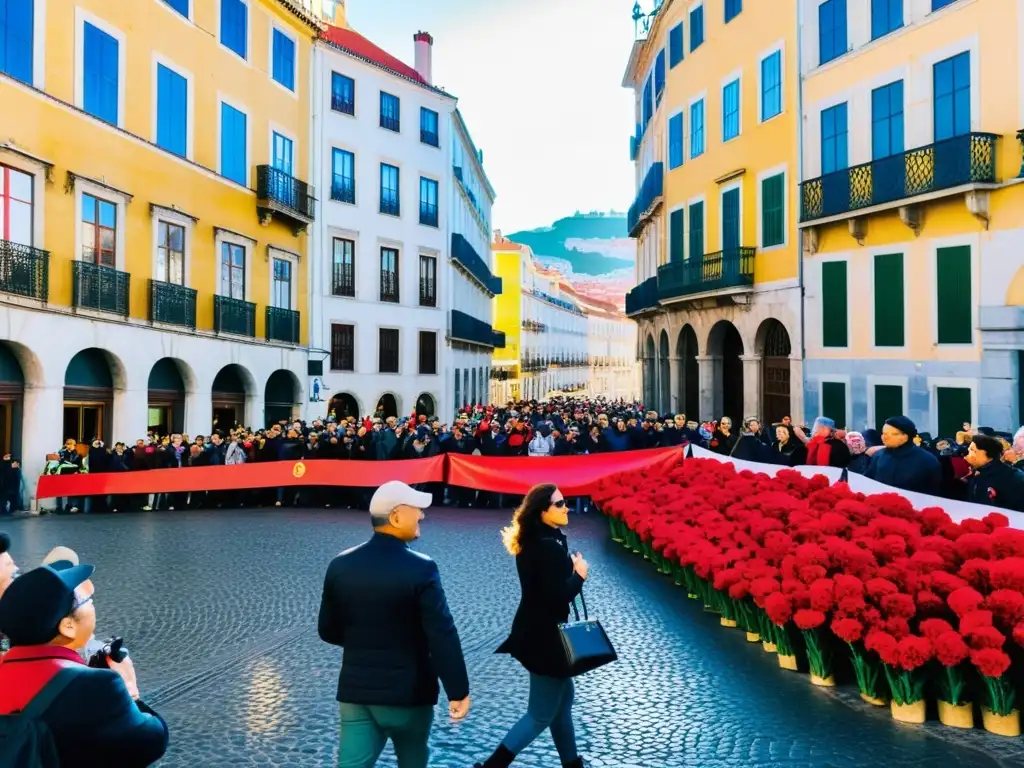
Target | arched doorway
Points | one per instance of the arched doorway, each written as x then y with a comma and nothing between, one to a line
343,406
425,405
387,406
648,372
689,373
281,397
230,389
12,391
775,370
89,398
725,347
166,411
664,376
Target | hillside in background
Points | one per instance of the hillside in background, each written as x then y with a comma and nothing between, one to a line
591,244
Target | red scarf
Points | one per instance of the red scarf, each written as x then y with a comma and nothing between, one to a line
819,451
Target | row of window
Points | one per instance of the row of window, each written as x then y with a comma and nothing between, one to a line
953,405
343,100
955,323
833,35
343,188
468,394
343,274
343,350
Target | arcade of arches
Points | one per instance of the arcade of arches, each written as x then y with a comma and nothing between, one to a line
734,377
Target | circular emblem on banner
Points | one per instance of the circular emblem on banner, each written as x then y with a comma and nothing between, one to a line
299,469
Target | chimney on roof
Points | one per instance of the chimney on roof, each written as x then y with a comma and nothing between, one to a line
333,12
424,45
497,235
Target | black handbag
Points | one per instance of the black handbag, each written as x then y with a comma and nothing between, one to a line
585,643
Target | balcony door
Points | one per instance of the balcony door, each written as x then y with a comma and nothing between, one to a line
16,206
282,160
731,220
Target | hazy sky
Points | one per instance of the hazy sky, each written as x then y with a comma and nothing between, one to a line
538,82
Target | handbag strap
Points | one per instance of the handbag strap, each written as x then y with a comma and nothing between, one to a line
583,600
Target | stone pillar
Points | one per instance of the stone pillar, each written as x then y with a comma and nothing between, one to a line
255,411
674,385
708,377
751,385
42,433
198,413
130,415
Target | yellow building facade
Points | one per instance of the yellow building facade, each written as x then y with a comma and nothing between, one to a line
152,246
508,314
716,149
912,211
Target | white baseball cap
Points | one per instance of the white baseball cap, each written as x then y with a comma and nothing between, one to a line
395,493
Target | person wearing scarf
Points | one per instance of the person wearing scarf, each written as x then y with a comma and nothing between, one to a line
823,449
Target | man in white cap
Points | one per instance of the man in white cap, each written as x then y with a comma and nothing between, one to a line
384,604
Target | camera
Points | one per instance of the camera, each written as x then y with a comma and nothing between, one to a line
112,649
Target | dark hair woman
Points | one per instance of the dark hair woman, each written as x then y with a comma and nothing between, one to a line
549,578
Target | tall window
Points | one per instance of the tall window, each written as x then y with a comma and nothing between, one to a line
343,176
675,45
953,295
234,164
675,141
659,76
389,200
771,85
834,139
343,282
697,230
831,30
17,27
732,9
696,27
284,60
886,17
281,288
343,94
389,275
16,206
232,271
283,158
731,110
387,361
697,128
234,26
390,112
99,231
170,253
889,299
428,202
887,120
101,74
952,96
773,211
428,352
428,127
834,298
343,347
677,235
428,281
171,110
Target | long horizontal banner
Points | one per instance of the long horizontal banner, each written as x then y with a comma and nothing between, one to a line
574,475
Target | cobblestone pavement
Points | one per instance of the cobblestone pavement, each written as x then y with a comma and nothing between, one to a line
219,610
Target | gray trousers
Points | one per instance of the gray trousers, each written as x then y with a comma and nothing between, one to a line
365,730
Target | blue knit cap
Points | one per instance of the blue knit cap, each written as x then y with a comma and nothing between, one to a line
824,421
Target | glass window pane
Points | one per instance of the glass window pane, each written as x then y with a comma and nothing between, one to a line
108,214
20,185
89,208
161,264
177,239
177,269
238,256
20,225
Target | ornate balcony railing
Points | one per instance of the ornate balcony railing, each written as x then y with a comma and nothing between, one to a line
428,293
391,123
469,329
723,269
284,195
533,325
967,159
389,286
429,137
390,206
643,297
173,304
344,191
466,255
428,215
282,325
343,282
94,286
234,316
24,270
647,199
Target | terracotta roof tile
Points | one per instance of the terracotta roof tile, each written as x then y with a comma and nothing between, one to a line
355,44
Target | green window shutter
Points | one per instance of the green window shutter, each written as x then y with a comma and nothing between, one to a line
953,284
676,241
697,231
833,402
773,214
888,403
889,300
833,304
954,406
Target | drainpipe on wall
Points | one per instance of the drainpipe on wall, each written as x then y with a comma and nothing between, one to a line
799,179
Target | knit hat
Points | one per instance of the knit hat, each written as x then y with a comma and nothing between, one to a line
823,421
903,424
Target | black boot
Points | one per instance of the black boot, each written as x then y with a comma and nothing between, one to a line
577,763
502,758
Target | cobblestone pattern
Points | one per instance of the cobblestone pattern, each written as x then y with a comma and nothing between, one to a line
219,611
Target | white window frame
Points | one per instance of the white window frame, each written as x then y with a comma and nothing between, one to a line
953,382
270,57
38,171
972,241
782,169
190,19
171,216
703,200
818,302
687,124
277,253
923,73
190,102
722,189
779,46
835,378
331,322
892,381
735,76
282,131
222,236
222,99
870,254
120,201
248,35
39,45
82,17
338,233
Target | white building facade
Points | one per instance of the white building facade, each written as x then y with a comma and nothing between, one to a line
554,337
611,348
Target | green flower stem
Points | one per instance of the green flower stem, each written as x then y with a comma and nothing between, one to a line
866,670
951,685
906,687
1000,695
725,604
783,642
819,653
765,627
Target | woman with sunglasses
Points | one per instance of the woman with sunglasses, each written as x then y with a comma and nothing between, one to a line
550,578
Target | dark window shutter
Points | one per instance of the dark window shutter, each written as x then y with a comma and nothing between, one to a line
888,403
833,304
954,407
889,300
773,225
676,235
953,281
833,402
697,231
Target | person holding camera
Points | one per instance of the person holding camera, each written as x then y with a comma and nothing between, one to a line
94,716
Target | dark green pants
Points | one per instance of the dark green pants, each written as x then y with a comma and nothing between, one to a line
366,729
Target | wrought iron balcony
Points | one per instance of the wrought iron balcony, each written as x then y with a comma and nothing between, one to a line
94,286
282,195
429,137
172,304
390,206
389,286
534,326
344,191
24,270
647,199
643,297
343,103
962,160
343,282
716,271
234,316
428,293
428,215
391,123
498,339
282,325
466,256
471,330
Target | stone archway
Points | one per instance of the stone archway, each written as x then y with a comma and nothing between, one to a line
387,406
90,379
282,397
232,387
343,405
648,372
425,405
775,348
689,373
725,348
664,404
170,379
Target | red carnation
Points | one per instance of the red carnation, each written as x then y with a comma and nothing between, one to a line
932,628
851,606
929,604
991,662
810,573
897,627
1007,574
1007,605
822,595
914,652
807,619
986,637
996,520
976,572
973,620
848,586
877,588
1018,634
950,649
964,600
779,608
884,644
944,583
898,605
847,630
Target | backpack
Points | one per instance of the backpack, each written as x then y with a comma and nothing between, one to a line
25,740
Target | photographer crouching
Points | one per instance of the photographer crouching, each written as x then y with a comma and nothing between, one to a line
92,715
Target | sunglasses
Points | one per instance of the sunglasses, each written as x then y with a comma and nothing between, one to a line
558,504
